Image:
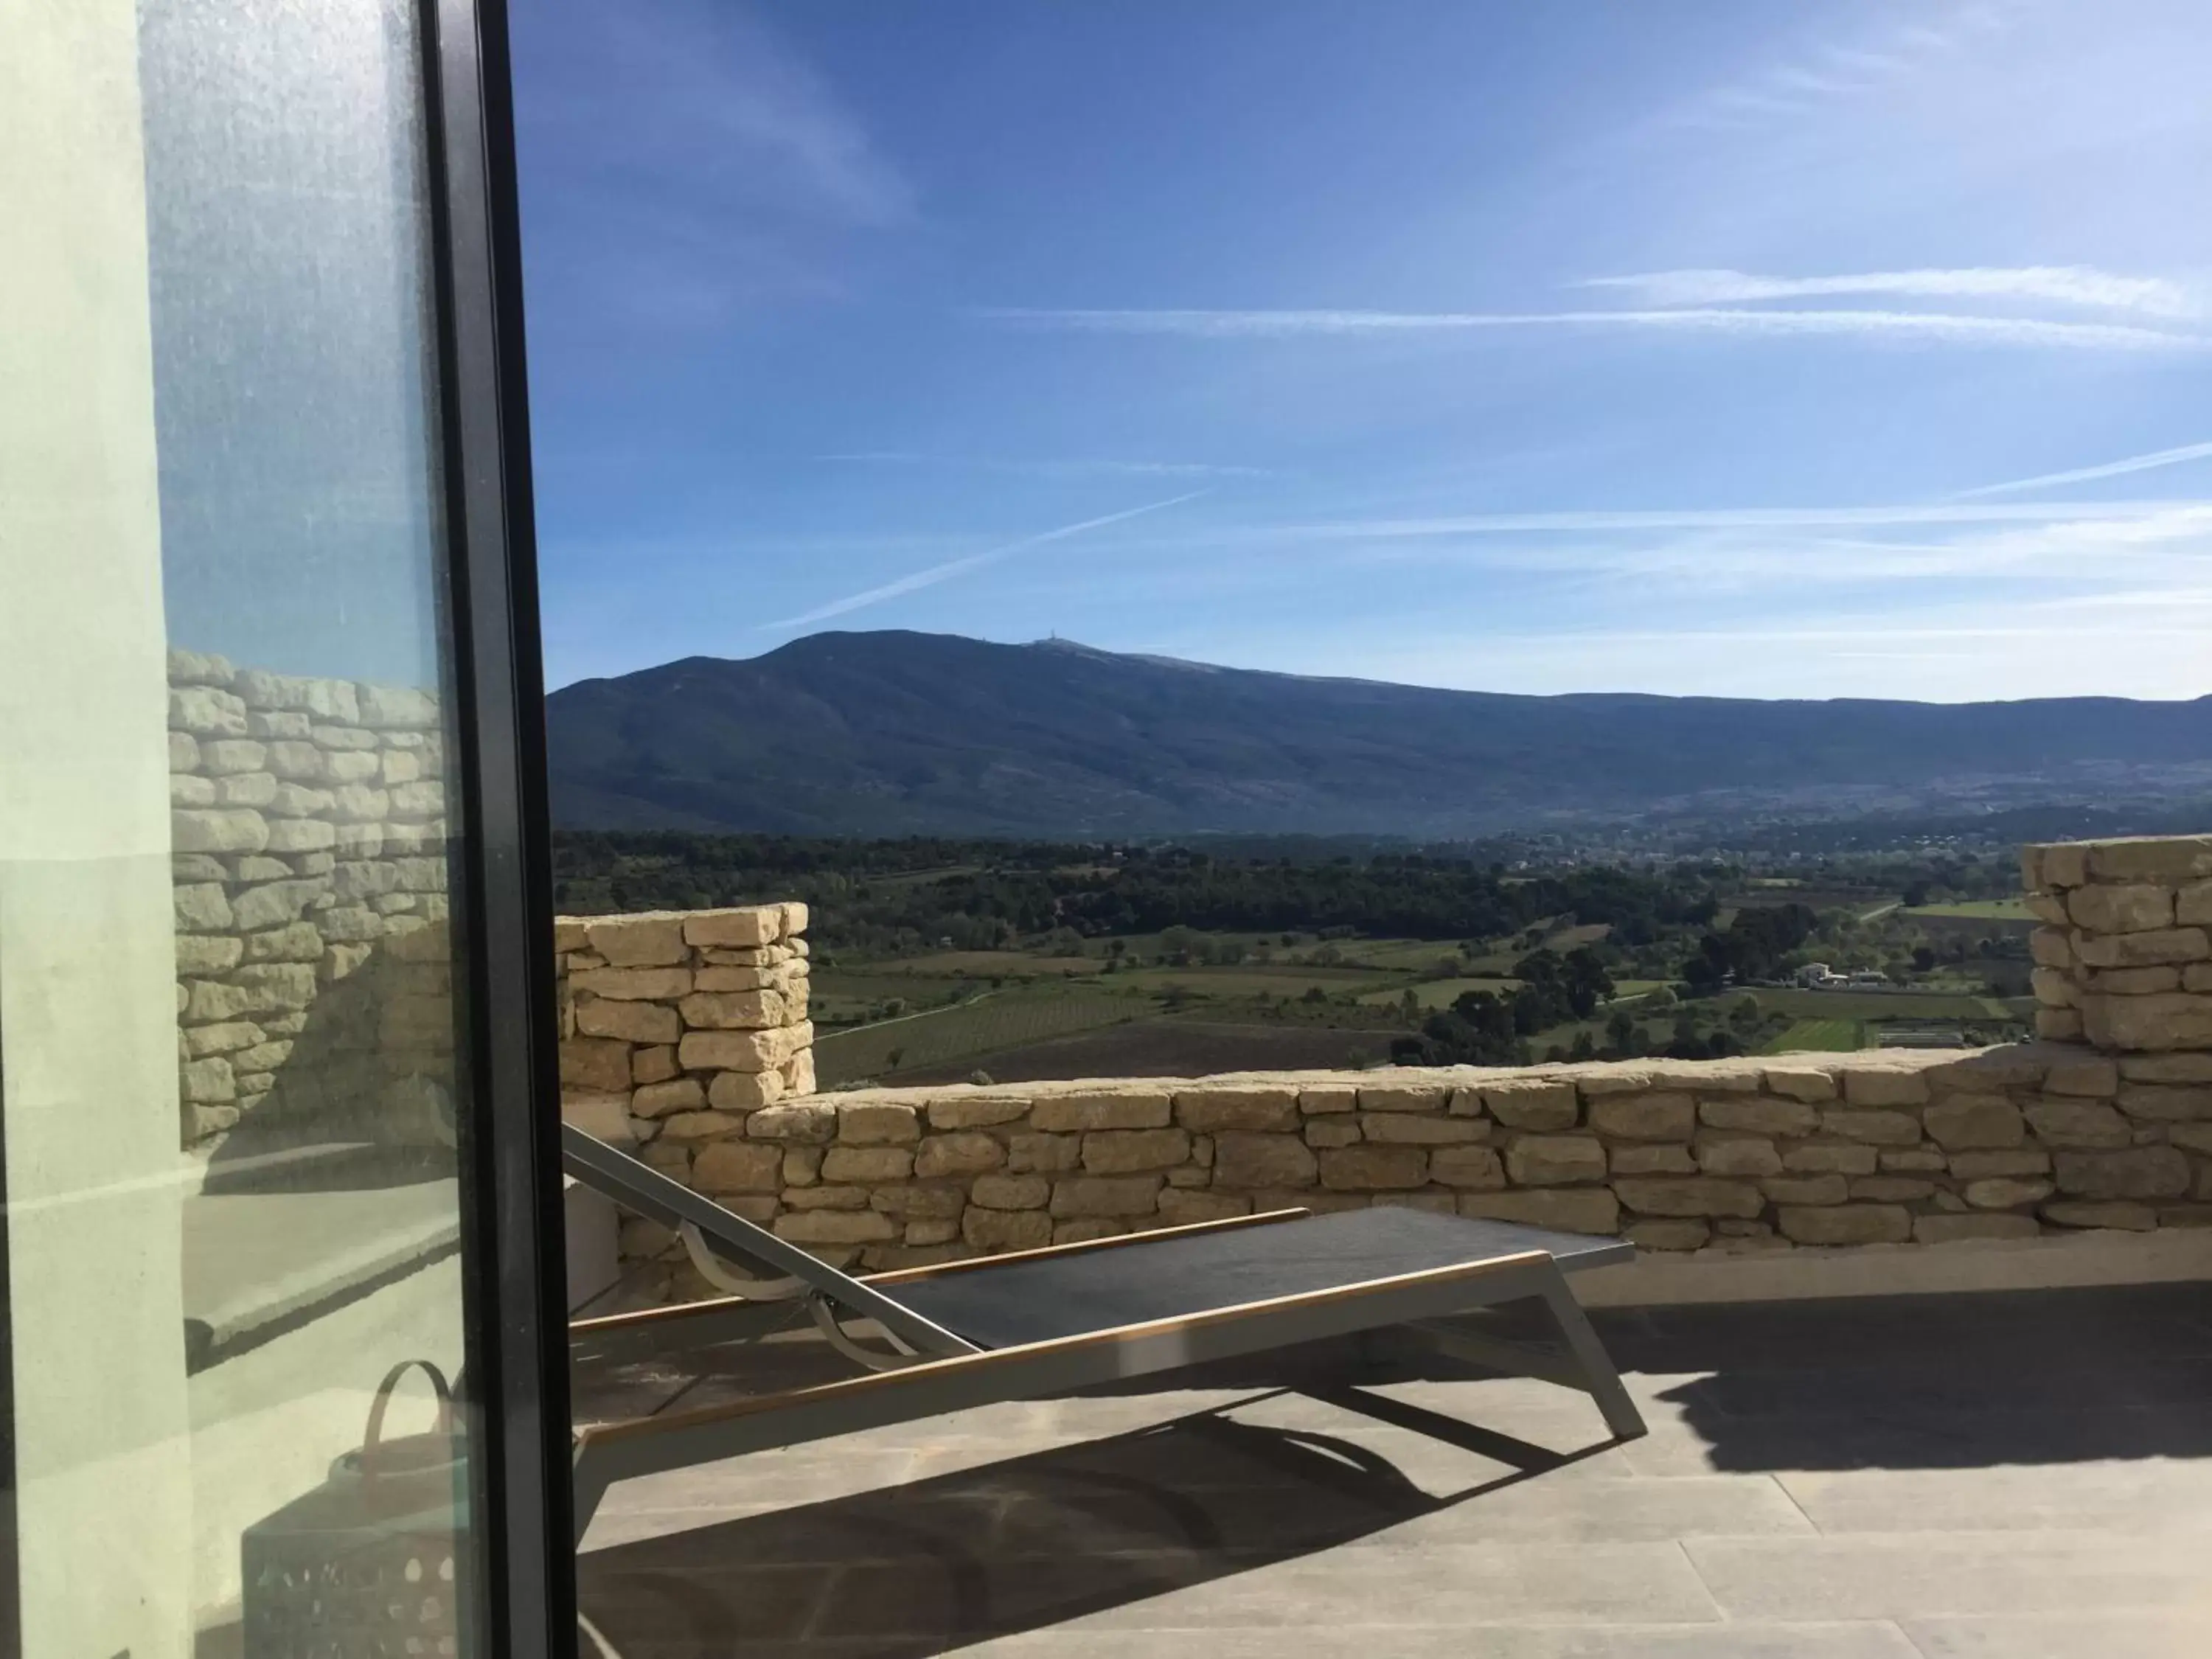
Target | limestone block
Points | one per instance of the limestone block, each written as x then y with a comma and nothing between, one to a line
1318,1100
1087,1231
2048,908
1474,1168
1869,1086
218,830
2134,981
2006,1192
202,711
351,924
1554,1160
1952,1229
1366,1168
2051,947
207,954
1723,1154
1668,1235
1531,1103
2167,945
1209,1110
2058,1025
2192,1137
1892,1189
419,801
1801,1081
273,987
2077,1123
809,1122
632,1022
802,1166
741,1051
604,1117
1880,1128
2165,1068
349,766
184,752
1973,1121
872,1123
2156,1023
962,1152
1652,1160
201,908
977,1111
1006,1230
1130,1109
1765,1117
186,791
1807,1189
1410,1129
700,1126
1245,1159
2156,1102
1403,1097
867,1163
835,1227
2168,859
743,926
2063,864
681,1094
653,939
199,668
1181,1209
2121,1216
1011,1192
1332,1132
738,1166
712,978
1979,1166
1645,1117
1846,1224
932,1232
2124,908
742,1091
402,705
298,942
2052,989
2196,977
2138,1172
2091,1075
300,836
1913,1160
210,1081
1689,1195
843,1197
229,1037
1079,1197
1571,1209
922,1200
1043,1154
720,1011
1125,1151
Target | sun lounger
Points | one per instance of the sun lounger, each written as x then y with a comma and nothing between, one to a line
1042,1322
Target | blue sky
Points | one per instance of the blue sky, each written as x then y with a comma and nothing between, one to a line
1726,348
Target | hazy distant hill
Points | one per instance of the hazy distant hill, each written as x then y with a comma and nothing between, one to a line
892,733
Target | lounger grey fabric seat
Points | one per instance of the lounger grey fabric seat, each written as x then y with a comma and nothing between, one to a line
1045,1321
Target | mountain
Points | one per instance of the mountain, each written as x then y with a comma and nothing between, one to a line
897,734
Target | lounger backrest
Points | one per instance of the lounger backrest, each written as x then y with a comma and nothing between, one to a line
642,1190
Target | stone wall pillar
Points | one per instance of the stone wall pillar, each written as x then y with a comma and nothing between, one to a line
2124,961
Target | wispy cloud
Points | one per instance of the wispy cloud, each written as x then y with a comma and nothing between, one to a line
952,568
1733,518
2075,285
2084,474
1082,468
1905,326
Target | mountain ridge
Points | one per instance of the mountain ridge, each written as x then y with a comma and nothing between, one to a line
896,733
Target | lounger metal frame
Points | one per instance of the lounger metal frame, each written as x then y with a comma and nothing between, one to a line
951,1374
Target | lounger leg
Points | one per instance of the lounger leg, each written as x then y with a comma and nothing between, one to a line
1599,1377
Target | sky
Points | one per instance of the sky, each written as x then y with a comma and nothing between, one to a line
1725,348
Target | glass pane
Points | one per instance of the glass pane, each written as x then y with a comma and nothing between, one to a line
231,1030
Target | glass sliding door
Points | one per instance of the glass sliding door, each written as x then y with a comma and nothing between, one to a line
278,1379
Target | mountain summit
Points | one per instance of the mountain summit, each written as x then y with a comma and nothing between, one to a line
897,734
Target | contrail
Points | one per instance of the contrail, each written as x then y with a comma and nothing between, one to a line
2081,474
946,572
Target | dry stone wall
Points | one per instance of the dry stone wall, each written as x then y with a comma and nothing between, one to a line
1719,1157
309,847
2125,959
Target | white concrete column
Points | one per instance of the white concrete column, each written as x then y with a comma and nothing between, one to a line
88,1030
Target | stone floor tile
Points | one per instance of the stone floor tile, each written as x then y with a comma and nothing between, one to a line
2183,1634
2141,1495
1923,1574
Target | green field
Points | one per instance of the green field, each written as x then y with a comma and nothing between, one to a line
1436,993
2003,909
1880,1005
982,1024
1819,1034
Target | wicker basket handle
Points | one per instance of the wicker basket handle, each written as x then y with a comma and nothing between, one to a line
372,1437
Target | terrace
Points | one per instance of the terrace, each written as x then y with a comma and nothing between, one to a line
1922,1337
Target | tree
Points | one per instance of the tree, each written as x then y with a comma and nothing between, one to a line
1588,982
